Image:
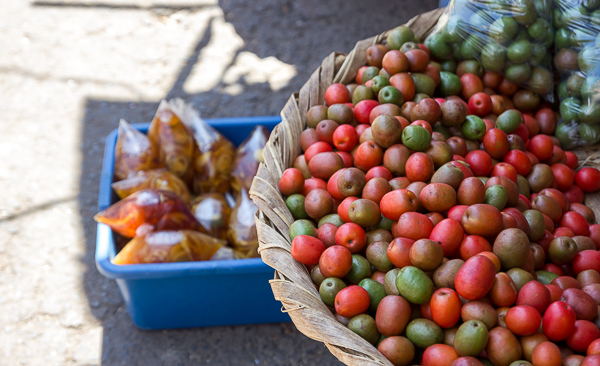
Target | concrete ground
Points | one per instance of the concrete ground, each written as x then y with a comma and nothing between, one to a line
68,71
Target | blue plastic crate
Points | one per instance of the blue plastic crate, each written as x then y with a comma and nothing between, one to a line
191,294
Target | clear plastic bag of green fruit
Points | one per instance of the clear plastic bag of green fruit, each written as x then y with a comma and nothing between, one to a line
511,37
577,59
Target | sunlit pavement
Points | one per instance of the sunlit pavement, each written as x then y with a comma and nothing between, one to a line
68,71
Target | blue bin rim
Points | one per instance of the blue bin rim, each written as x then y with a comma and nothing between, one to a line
104,239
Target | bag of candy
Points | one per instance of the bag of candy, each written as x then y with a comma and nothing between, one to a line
169,246
134,152
175,142
152,179
242,228
247,158
148,210
213,212
213,159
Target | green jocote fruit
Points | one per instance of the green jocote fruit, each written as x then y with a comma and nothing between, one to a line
493,56
519,51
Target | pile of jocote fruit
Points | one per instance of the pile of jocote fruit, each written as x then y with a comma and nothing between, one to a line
446,231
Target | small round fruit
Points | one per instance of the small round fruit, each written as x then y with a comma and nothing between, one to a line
588,179
307,249
398,350
416,138
475,278
546,353
336,261
351,301
337,93
329,288
291,182
523,320
558,321
473,128
414,285
471,338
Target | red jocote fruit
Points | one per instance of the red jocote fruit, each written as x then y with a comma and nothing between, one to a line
419,167
475,278
541,146
480,162
586,259
445,307
307,249
519,160
523,320
337,93
588,179
362,110
336,261
291,182
414,225
495,143
393,204
558,321
449,234
484,220
471,85
351,301
480,104
584,333
535,295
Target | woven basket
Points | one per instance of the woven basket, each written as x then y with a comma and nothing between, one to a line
292,284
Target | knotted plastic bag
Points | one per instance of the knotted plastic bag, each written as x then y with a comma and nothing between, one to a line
148,210
175,142
577,59
223,254
134,152
510,37
213,159
169,246
242,228
213,212
248,157
152,179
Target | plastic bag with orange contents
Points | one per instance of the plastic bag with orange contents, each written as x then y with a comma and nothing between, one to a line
134,152
169,246
213,212
213,159
152,179
175,142
242,228
148,210
248,157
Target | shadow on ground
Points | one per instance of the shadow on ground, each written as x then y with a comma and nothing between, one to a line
299,33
